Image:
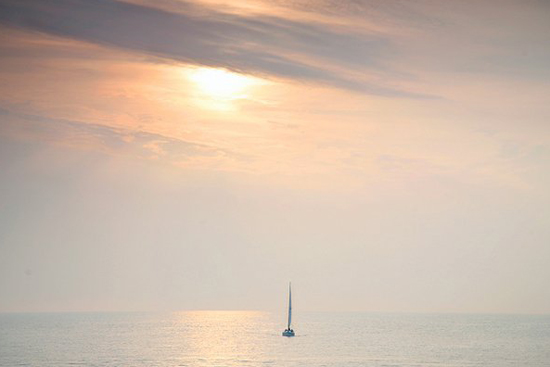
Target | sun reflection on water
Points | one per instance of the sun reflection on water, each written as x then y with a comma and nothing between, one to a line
223,337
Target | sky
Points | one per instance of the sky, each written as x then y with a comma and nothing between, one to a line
384,156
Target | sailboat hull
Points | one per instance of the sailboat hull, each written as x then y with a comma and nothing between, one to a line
288,333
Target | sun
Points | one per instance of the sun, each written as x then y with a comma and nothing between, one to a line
220,84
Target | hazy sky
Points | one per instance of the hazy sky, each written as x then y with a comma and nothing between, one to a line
382,155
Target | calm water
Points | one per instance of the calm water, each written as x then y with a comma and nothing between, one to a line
216,338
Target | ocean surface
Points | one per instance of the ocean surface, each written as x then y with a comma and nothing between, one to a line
249,338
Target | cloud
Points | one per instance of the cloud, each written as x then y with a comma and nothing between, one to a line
100,137
270,46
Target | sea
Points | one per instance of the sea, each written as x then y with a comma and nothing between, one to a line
252,338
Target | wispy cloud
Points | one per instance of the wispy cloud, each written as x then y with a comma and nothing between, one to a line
264,45
114,140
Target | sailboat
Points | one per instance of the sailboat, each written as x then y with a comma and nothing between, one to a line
288,331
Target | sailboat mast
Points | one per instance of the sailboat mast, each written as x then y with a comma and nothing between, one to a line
289,305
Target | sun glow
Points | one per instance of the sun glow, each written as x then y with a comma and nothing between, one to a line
221,85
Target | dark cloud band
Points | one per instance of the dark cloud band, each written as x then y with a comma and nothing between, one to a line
263,45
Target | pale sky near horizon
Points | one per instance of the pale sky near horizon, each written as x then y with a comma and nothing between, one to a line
383,155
